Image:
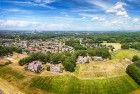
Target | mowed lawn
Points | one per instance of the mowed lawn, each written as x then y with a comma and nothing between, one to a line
72,85
120,54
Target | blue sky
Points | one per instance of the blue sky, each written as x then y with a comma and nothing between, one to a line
75,15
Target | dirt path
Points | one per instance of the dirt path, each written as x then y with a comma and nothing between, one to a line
6,88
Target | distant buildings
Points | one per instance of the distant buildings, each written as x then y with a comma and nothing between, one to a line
52,46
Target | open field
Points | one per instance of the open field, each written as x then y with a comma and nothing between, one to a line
102,69
73,85
69,84
120,54
97,77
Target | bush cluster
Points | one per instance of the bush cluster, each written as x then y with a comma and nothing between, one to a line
133,70
9,50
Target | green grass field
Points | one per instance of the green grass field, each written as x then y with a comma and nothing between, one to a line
73,85
9,72
120,54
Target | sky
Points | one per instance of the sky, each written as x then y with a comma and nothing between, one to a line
70,15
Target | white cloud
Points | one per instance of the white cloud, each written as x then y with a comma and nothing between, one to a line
16,10
96,18
92,17
136,20
91,22
100,3
15,23
41,3
44,1
118,9
116,23
86,15
33,25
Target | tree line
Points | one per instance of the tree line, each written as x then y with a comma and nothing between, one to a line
118,37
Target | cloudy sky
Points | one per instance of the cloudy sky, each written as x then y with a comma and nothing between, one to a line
85,15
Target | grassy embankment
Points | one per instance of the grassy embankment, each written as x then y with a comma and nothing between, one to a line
72,85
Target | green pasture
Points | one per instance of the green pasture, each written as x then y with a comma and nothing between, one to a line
120,54
72,85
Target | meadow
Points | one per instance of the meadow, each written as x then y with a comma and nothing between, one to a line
127,53
72,85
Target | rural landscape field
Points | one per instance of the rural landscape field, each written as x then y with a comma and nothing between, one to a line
109,75
69,47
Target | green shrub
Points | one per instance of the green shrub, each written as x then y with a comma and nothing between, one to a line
135,58
125,46
25,61
69,64
133,70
